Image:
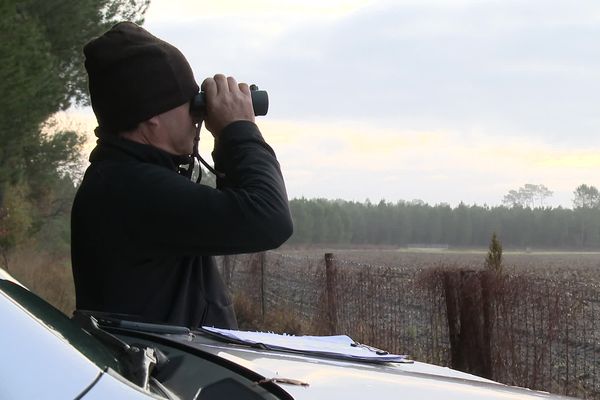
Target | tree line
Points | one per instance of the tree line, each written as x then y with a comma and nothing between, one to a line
42,72
320,221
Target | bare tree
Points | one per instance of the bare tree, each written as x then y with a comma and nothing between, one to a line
529,195
586,197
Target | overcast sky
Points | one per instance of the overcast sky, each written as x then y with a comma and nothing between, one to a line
444,101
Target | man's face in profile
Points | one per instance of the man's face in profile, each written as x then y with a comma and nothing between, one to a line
177,130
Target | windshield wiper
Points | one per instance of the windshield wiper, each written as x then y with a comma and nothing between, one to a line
138,362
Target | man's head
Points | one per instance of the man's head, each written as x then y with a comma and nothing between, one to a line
135,77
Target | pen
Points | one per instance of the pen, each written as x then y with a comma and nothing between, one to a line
377,351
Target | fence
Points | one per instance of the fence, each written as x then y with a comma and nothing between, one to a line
522,330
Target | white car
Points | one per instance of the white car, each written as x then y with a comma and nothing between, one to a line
46,355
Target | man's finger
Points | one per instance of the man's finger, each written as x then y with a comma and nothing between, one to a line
244,88
209,86
232,84
222,85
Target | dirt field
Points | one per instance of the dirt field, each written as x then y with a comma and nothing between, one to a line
543,262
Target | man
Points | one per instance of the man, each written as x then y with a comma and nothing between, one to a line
142,234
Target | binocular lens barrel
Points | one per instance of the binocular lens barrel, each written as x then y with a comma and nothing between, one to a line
260,102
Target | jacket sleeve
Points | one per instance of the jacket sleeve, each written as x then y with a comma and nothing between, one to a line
248,212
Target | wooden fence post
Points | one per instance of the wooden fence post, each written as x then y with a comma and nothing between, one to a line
489,289
262,283
471,323
467,311
227,271
452,316
331,295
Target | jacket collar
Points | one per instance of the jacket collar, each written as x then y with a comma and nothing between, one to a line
112,147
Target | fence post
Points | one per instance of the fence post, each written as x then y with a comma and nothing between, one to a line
467,328
262,283
471,324
489,290
452,317
226,271
330,288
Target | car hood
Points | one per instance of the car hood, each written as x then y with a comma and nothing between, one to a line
313,377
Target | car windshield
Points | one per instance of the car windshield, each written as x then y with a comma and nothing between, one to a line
58,322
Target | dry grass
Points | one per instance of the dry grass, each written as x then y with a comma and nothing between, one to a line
250,318
47,275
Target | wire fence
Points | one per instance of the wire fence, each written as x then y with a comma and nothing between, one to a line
519,329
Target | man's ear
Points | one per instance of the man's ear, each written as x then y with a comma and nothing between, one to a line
150,126
153,122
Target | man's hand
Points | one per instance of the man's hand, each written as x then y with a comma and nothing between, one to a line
226,102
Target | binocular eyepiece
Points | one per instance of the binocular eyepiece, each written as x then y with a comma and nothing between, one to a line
260,102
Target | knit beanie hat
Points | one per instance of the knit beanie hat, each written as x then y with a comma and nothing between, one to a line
134,76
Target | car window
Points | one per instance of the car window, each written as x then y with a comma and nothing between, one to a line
58,322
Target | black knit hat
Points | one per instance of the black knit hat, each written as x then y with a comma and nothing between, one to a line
134,76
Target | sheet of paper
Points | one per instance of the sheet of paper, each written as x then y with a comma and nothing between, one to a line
340,345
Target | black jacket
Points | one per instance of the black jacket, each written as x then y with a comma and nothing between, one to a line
143,235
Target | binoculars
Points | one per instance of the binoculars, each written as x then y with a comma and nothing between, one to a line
260,102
